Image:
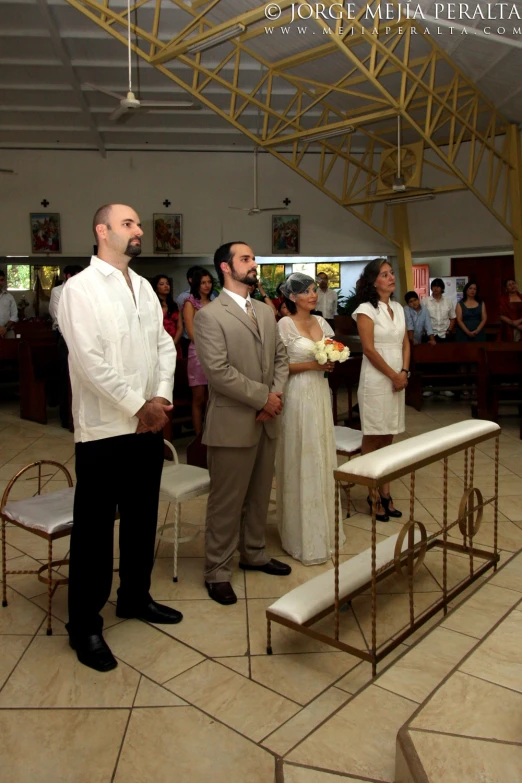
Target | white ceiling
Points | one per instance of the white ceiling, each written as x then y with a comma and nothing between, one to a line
49,51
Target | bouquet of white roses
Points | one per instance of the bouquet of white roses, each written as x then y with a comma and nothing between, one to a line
330,351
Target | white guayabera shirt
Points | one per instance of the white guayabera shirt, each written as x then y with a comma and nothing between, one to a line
327,302
120,355
441,313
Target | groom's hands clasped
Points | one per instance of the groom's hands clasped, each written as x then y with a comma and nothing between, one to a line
272,408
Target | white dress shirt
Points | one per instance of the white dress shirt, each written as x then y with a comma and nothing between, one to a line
240,300
8,308
441,313
327,302
120,355
56,294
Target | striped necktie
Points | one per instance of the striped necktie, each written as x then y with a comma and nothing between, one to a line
251,314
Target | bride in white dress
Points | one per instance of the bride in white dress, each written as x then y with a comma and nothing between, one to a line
306,455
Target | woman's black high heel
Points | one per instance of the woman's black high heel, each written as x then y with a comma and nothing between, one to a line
385,502
378,517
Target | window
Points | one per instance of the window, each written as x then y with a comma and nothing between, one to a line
306,269
333,271
22,277
18,277
271,276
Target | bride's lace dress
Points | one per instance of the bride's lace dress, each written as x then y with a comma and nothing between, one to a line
306,456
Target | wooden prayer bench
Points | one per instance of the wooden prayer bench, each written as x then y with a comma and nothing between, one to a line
451,367
38,362
403,553
500,370
8,361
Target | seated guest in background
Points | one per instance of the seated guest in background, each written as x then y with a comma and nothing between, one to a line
63,353
122,365
200,296
182,298
385,367
441,310
326,299
8,308
172,320
418,321
282,311
510,312
471,316
257,291
56,293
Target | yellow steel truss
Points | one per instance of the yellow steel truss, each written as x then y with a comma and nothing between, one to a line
382,70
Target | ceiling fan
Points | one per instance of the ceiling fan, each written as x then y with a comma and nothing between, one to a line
129,104
406,164
256,209
7,171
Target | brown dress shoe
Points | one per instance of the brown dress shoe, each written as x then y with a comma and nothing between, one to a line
221,592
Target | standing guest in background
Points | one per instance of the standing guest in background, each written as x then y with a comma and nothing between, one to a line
200,293
418,321
245,362
443,317
441,310
326,299
471,316
385,367
8,308
510,312
63,353
56,293
172,320
261,295
122,364
282,311
182,298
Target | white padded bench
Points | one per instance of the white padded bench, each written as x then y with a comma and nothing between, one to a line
309,599
348,442
307,604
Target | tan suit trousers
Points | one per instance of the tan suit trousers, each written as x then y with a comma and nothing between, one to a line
241,481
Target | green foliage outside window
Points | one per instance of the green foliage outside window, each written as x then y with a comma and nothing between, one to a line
19,277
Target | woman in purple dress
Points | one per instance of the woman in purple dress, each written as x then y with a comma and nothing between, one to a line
200,291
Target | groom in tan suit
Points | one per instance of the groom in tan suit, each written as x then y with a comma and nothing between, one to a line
245,362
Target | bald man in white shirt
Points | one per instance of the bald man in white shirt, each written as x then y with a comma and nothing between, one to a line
122,364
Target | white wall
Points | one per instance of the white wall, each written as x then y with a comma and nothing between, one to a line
201,186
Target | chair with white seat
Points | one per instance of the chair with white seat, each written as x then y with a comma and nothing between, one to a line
49,516
180,483
348,443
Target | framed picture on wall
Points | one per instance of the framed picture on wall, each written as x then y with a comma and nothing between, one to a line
168,237
286,234
333,271
45,232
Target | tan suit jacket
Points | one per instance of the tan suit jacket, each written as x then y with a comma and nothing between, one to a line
241,367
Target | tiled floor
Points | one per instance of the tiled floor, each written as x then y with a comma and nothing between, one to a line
202,701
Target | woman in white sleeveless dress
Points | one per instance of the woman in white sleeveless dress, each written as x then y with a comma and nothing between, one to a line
385,366
306,454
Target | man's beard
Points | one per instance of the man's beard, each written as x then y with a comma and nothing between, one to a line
133,249
249,279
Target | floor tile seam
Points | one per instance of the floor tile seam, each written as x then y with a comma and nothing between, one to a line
24,708
491,682
120,749
248,679
336,772
400,695
491,740
456,668
315,728
35,635
247,620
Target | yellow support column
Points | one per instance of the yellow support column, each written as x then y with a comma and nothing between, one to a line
516,197
402,235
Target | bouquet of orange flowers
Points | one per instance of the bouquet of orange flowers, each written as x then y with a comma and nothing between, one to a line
329,350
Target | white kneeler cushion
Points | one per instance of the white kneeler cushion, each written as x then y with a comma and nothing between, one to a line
50,513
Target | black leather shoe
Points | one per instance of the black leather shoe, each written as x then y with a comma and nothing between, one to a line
151,613
274,567
222,592
379,517
94,652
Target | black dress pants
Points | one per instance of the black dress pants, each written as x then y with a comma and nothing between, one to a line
123,472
